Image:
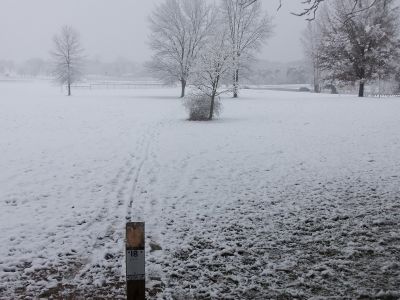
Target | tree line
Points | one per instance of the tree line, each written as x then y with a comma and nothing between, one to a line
209,45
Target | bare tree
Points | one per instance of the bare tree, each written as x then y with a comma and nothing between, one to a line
362,47
179,30
67,57
311,41
248,28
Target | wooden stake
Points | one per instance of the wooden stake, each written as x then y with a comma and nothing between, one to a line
135,261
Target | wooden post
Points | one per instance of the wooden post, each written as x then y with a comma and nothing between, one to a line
135,261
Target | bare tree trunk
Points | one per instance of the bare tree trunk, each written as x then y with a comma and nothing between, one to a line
69,89
317,88
183,86
236,84
379,85
212,107
361,89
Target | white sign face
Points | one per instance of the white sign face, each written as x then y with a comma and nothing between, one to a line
135,264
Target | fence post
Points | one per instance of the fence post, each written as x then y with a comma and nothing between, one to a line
135,261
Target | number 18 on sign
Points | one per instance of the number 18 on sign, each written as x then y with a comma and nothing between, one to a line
135,264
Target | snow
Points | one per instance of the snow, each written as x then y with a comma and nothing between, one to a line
285,195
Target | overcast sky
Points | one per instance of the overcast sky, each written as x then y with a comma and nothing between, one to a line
115,28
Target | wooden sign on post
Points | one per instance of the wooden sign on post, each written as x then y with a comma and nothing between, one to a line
135,261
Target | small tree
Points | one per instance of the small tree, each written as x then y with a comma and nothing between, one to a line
180,29
67,57
213,65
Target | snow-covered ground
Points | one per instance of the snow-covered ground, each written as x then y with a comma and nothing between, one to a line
287,195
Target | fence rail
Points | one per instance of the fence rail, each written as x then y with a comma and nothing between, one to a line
383,95
121,85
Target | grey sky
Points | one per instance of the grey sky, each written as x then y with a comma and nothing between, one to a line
114,28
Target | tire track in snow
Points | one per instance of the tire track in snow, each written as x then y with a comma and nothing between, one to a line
92,232
99,261
109,244
135,184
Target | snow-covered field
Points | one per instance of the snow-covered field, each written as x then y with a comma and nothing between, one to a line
287,195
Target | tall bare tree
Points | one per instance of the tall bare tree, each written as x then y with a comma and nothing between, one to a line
248,28
179,30
311,40
67,57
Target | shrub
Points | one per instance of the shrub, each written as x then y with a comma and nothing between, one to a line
198,106
304,89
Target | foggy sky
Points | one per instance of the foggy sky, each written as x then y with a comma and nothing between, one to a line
111,29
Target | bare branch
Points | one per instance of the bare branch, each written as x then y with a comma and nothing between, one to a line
311,7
